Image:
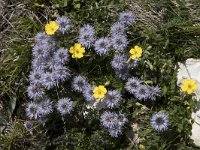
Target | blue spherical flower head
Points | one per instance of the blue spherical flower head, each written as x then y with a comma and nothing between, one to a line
53,64
48,80
112,99
115,132
113,122
121,120
32,110
108,119
127,18
28,126
42,119
64,24
102,46
119,61
40,51
121,65
88,93
35,91
79,83
123,73
40,36
45,107
40,64
160,121
154,91
61,55
44,41
61,74
119,42
64,106
35,76
87,35
49,42
133,64
132,85
142,92
117,29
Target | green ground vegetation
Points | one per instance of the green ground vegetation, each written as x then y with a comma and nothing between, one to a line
169,30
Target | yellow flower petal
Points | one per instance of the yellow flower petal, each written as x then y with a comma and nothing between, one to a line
96,95
184,88
95,89
99,92
132,51
80,55
77,46
101,96
82,50
77,51
71,50
73,56
185,81
136,52
189,86
190,91
133,57
138,48
51,28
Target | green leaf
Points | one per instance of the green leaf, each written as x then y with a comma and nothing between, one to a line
145,132
12,105
77,6
164,89
65,2
180,127
75,103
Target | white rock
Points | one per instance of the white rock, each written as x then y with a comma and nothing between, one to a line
191,70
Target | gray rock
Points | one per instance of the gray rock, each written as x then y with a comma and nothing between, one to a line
191,70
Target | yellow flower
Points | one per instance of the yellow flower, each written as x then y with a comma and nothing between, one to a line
51,28
99,91
189,86
77,51
136,52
